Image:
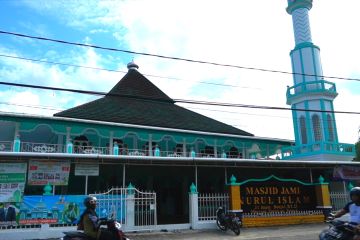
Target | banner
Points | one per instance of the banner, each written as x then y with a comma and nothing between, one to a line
12,182
51,209
347,172
62,209
86,169
48,172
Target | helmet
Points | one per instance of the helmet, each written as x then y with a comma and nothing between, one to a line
355,191
90,202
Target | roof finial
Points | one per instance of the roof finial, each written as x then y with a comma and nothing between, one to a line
131,65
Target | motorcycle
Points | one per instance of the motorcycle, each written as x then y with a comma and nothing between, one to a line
339,230
228,221
111,232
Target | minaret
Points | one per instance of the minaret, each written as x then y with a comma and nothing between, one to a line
315,132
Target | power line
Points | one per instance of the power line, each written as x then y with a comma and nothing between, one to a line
32,106
251,114
98,93
111,70
171,58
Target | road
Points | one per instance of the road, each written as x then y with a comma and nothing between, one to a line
298,232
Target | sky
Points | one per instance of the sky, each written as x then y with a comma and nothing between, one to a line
247,33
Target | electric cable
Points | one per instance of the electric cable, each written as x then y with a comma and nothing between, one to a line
171,58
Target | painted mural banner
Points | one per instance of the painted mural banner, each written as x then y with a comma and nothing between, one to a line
58,209
274,194
12,182
48,172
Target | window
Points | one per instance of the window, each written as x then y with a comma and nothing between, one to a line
316,127
330,128
303,130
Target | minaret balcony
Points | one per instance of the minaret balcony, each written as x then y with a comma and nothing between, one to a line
329,148
312,88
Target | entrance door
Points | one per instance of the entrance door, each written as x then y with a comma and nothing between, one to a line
171,184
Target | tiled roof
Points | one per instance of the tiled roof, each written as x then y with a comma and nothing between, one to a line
135,100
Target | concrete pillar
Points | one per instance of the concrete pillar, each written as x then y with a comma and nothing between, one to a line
17,129
130,206
215,149
184,147
193,207
68,131
150,145
111,140
323,201
235,198
115,148
17,144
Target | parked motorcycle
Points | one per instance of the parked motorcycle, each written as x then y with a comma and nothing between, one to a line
228,221
113,232
339,230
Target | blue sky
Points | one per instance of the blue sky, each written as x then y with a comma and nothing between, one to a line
245,33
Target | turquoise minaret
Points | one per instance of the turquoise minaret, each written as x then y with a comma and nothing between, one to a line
315,131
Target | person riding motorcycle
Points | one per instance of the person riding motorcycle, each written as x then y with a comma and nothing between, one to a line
90,222
353,208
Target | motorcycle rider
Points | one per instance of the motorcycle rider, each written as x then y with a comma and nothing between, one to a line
90,222
353,208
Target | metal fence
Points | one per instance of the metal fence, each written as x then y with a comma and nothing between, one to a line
123,202
6,146
208,203
339,199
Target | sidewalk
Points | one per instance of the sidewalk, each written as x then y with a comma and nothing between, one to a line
293,232
297,232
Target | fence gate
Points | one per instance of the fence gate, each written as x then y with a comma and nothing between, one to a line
129,206
209,203
339,199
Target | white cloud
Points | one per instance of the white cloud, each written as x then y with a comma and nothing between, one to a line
246,33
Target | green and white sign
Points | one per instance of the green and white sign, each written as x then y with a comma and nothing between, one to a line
12,181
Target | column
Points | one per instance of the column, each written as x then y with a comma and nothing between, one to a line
16,143
111,142
215,149
323,197
150,145
69,145
184,147
130,206
193,206
234,197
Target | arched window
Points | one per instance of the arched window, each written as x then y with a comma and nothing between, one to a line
316,128
330,128
303,130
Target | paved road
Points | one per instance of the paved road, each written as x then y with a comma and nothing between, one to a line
298,232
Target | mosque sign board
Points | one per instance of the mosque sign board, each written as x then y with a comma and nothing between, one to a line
273,194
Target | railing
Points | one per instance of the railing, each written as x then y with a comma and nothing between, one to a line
6,146
42,147
319,147
91,150
209,203
339,200
313,86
